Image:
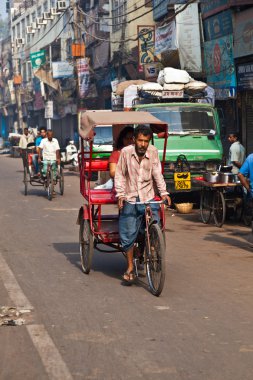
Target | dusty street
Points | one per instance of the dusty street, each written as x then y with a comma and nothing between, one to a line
91,327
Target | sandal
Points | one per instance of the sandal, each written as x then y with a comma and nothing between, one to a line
129,277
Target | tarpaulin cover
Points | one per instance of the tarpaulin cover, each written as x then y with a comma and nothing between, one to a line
90,119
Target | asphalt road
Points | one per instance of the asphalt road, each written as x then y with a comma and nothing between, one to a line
91,327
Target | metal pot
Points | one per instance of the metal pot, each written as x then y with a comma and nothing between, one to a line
226,178
211,177
225,169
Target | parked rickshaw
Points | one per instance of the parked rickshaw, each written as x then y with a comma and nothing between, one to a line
99,230
34,180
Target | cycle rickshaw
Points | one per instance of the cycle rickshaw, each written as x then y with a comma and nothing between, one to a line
34,180
99,230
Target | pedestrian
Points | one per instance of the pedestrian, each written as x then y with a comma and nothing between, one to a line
25,139
236,153
138,177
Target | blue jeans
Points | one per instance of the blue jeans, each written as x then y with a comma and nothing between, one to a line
130,222
35,163
54,167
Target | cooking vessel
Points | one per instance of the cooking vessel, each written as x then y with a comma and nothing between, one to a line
225,169
227,178
211,177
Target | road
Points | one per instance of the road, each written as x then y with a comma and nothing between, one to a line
91,327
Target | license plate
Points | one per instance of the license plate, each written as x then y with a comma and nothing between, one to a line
172,94
182,181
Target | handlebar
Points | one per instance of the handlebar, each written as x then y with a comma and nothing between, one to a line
165,202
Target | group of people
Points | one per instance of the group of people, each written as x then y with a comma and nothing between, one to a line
47,150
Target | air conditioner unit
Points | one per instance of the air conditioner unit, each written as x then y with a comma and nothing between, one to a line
41,21
30,30
61,5
54,12
47,16
34,25
20,41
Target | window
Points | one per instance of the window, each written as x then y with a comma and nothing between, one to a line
39,12
118,14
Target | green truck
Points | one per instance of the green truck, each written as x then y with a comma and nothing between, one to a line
194,143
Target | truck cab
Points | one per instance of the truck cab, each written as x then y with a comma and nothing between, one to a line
194,134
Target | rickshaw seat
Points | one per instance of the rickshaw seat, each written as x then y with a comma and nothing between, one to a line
99,197
96,165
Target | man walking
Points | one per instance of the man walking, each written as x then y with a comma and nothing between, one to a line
138,173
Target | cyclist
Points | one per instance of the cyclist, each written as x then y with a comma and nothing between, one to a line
51,153
138,177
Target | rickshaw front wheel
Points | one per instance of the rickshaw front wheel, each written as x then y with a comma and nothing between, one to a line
86,245
25,179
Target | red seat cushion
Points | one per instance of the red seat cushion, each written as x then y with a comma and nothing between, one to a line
102,197
96,165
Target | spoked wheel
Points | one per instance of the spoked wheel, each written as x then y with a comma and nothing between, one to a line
219,208
86,245
26,179
50,184
155,260
206,205
61,181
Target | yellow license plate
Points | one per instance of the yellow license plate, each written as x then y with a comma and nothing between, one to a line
182,181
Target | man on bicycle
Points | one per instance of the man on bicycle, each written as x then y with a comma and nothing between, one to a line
138,177
50,150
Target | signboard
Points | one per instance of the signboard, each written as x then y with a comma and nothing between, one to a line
49,109
146,44
62,70
83,73
218,26
160,7
151,70
243,31
165,38
188,37
209,8
38,59
219,63
245,76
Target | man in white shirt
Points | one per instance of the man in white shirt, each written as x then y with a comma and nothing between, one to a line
49,149
236,153
25,139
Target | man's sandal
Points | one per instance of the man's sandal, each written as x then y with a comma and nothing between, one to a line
129,277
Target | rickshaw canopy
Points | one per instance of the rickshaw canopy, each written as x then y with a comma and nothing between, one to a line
90,119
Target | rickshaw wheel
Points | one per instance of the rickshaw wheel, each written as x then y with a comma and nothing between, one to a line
61,181
206,205
50,185
155,260
26,179
86,245
219,208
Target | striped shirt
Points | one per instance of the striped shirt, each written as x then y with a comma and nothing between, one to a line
134,178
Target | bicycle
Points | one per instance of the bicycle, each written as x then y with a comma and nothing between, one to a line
151,249
50,182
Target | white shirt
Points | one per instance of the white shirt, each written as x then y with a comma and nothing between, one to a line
236,153
49,148
24,140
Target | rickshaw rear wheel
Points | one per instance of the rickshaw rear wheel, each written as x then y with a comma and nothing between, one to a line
86,245
26,179
219,208
155,260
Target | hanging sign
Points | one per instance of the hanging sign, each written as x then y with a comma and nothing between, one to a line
38,59
49,109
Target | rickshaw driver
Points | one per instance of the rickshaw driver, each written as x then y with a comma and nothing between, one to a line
51,153
138,173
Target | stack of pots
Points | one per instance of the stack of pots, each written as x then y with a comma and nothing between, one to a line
223,175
